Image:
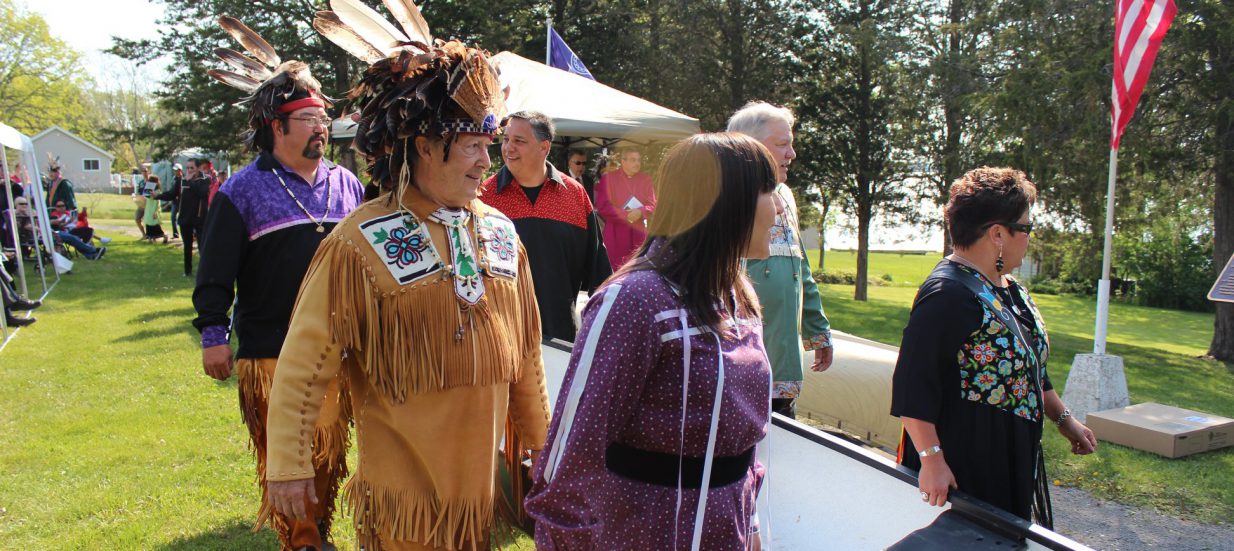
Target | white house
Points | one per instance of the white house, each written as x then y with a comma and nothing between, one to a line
87,165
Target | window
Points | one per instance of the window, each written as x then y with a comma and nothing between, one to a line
90,165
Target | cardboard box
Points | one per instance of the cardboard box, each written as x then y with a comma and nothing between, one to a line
1164,430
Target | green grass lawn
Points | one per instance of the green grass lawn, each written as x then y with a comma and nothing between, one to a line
113,438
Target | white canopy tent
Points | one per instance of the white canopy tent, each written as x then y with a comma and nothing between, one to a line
32,179
579,107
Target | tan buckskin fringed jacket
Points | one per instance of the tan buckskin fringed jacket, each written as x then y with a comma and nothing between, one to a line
435,364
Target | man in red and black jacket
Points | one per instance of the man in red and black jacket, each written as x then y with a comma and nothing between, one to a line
554,219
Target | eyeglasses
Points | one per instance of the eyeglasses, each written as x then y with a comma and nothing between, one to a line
578,163
313,122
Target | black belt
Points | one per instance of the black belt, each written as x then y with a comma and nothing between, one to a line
661,468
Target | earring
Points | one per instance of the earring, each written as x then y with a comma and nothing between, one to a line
998,263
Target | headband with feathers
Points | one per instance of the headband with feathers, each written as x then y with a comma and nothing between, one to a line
274,86
414,85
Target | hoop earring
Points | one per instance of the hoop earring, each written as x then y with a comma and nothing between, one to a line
998,263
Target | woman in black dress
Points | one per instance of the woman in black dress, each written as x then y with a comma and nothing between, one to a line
970,384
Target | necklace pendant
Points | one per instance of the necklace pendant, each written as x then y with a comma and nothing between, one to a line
321,229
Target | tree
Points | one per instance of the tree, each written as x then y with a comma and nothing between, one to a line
199,108
1208,28
126,114
960,66
41,77
853,111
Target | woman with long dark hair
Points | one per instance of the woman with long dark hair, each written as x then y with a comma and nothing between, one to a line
667,392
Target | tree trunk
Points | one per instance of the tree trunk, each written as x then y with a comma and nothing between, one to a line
951,112
865,145
863,251
1222,347
947,249
822,234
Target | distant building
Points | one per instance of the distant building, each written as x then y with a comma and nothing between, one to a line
87,165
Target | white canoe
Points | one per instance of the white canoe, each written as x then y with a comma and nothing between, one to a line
824,492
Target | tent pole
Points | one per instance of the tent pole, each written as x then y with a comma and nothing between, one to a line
548,41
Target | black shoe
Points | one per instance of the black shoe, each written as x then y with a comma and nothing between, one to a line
19,322
23,304
99,255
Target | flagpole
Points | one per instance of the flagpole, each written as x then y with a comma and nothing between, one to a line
1103,286
548,40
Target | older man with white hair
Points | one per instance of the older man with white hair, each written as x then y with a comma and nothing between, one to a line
793,316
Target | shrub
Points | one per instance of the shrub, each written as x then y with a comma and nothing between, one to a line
1173,268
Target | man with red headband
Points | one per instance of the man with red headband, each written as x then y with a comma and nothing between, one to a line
261,232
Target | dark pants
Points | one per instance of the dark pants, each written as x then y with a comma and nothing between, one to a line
785,406
175,219
187,233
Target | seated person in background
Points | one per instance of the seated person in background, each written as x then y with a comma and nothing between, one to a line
14,185
13,301
25,227
81,228
62,221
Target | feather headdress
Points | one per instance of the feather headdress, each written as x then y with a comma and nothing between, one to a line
415,85
274,86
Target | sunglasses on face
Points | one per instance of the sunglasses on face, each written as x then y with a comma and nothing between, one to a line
1013,226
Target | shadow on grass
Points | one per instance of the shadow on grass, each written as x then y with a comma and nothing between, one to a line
155,333
184,313
236,535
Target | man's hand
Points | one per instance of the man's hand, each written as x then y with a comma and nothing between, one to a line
822,359
289,497
634,215
217,361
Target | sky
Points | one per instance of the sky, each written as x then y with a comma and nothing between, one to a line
88,25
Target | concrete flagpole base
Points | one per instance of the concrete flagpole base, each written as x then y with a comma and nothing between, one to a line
1096,382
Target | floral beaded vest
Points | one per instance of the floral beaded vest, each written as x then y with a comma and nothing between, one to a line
1002,363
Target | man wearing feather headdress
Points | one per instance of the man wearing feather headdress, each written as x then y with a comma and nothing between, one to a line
262,229
421,298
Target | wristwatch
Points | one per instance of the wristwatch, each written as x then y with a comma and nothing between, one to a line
932,450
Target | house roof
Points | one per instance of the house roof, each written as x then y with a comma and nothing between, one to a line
102,151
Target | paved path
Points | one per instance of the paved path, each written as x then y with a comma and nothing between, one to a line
1110,526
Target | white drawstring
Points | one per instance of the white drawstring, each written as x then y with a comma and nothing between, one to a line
711,448
685,397
581,372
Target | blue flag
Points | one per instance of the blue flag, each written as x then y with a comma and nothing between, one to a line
562,57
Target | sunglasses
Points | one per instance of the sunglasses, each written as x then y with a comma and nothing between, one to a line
1013,226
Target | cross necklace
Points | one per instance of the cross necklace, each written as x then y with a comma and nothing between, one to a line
329,192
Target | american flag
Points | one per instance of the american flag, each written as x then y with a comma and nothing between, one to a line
1139,26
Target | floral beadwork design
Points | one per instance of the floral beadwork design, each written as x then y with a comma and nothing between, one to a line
403,246
995,367
502,245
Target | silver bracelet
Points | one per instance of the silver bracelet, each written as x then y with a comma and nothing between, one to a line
1062,417
932,450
